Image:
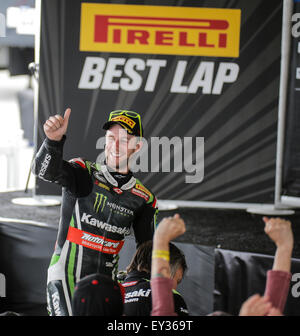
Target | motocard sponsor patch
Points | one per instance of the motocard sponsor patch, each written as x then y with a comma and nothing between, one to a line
95,242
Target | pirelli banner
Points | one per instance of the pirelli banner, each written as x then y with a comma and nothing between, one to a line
204,75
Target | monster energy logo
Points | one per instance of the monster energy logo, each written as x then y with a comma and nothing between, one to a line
120,209
99,202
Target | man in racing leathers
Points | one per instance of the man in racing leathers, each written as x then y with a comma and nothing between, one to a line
101,202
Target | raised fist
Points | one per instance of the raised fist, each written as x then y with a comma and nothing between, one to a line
170,228
279,230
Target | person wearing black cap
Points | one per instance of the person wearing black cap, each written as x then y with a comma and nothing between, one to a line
123,138
101,202
98,295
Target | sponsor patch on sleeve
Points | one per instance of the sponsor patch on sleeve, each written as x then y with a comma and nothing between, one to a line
140,193
79,161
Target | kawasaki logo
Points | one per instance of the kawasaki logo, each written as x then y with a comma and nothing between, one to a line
88,219
139,293
134,296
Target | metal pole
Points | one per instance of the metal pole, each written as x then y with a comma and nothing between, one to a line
284,77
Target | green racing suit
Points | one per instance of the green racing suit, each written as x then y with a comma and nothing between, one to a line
99,208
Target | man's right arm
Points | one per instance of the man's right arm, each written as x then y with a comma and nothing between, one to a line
49,164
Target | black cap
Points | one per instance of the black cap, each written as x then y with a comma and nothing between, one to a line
98,295
131,121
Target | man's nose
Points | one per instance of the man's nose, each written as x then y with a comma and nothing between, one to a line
116,145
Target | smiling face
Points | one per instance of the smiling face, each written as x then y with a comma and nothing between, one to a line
119,146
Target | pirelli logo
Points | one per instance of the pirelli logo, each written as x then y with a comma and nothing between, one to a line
160,30
125,120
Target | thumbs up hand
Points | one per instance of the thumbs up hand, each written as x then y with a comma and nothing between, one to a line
56,126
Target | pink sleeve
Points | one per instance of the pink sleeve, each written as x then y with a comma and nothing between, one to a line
277,288
162,297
